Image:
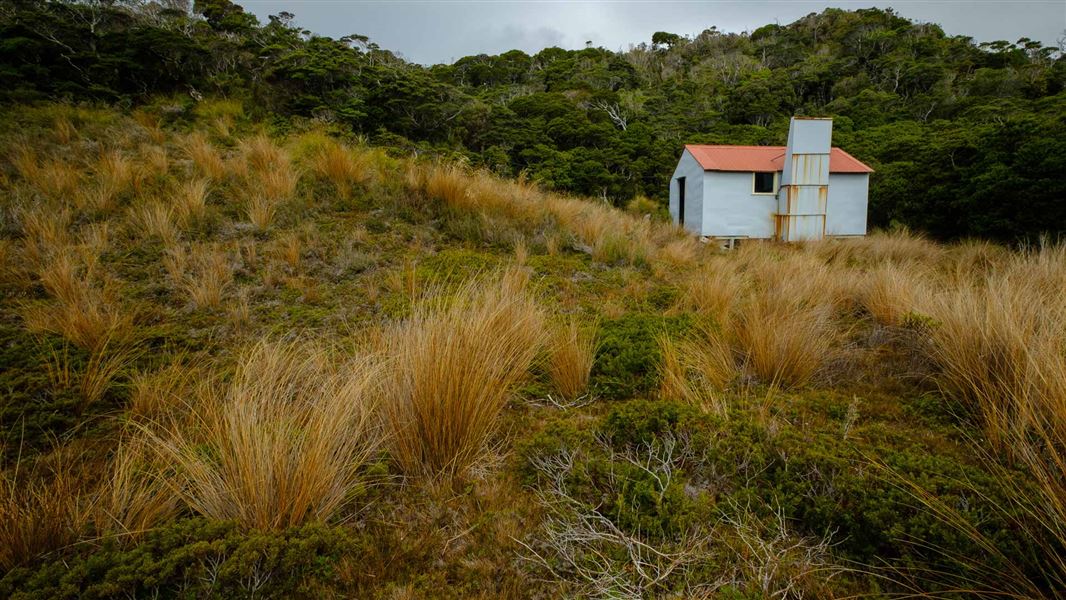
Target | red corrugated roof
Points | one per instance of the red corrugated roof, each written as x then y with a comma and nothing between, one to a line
764,158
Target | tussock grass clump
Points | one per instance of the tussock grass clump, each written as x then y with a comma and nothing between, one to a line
133,498
712,290
449,184
572,354
891,292
342,166
203,274
280,444
40,512
155,218
261,210
451,367
46,233
697,369
190,201
784,341
999,347
206,159
115,174
997,343
84,312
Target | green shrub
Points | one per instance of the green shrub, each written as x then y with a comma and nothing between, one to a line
628,355
643,422
191,559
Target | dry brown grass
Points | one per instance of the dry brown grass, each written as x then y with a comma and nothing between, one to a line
261,210
85,312
342,166
572,352
63,130
280,444
206,159
115,173
41,510
998,343
155,218
697,369
712,290
890,292
452,366
203,274
133,498
784,340
190,201
289,248
158,393
450,184
46,233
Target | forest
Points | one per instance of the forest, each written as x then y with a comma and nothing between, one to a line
967,139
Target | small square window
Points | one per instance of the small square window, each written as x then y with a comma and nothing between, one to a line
764,183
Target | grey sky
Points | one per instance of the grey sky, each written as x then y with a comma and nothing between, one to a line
431,32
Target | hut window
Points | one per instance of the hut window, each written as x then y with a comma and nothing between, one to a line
764,183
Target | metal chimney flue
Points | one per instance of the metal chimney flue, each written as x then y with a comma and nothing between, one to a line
804,191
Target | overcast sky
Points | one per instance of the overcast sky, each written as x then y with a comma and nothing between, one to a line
430,32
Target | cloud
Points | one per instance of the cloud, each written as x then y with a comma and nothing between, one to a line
434,32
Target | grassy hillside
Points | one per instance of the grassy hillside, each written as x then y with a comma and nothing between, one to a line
243,363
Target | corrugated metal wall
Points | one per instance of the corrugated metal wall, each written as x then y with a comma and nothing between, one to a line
803,198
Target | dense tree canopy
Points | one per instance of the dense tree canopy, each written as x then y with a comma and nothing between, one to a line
967,139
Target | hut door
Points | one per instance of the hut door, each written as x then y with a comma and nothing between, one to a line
681,201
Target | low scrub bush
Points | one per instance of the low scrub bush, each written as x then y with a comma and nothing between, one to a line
628,355
194,558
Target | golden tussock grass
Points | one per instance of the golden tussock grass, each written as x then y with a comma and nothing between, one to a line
899,246
712,289
203,274
95,238
115,173
999,347
133,499
63,130
784,340
267,170
449,184
262,154
46,233
571,355
83,311
206,159
53,179
261,210
190,200
155,218
280,444
697,369
154,161
153,394
289,249
451,368
890,292
342,166
997,343
40,512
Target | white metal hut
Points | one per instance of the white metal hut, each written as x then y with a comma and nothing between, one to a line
806,190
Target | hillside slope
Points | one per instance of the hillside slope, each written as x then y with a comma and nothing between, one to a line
237,363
